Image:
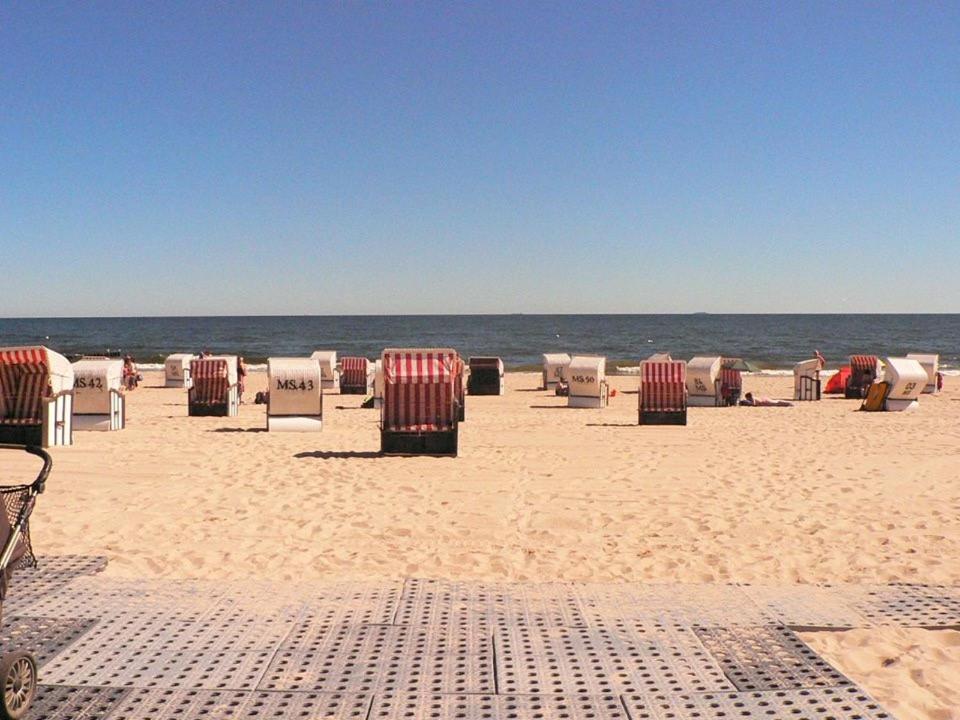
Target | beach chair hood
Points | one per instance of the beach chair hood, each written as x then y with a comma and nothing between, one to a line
28,375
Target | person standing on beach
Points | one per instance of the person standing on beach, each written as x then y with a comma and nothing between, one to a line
241,378
129,372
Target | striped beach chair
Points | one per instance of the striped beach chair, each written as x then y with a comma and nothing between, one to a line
354,376
731,386
663,393
215,390
864,370
420,412
36,397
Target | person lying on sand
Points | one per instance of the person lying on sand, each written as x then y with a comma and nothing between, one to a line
750,401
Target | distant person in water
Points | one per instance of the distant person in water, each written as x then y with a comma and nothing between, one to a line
130,376
750,401
241,377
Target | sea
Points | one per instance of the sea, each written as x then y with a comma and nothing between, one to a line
773,343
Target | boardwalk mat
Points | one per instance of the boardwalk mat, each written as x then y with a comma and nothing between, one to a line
122,649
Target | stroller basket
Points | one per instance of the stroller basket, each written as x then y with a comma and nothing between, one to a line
18,502
18,669
15,499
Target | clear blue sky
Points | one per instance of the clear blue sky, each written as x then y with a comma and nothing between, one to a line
219,158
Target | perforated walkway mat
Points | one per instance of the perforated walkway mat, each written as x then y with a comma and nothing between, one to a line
117,649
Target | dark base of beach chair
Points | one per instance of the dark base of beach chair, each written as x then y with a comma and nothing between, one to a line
21,435
483,389
854,393
218,410
433,443
663,418
353,389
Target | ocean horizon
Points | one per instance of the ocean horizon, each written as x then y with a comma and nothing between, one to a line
773,342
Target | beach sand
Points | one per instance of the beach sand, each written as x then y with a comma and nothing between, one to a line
813,493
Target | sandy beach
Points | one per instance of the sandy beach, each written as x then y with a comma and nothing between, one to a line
810,494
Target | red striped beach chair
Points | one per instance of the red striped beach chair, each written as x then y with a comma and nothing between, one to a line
460,383
731,386
215,391
36,397
663,393
354,376
420,412
864,370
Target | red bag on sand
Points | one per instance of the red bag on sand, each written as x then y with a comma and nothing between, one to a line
837,382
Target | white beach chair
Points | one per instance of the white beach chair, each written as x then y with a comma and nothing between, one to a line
295,402
931,364
36,397
703,388
554,369
905,379
176,370
378,384
329,370
806,380
98,399
587,382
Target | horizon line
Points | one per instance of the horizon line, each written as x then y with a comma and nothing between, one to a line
503,314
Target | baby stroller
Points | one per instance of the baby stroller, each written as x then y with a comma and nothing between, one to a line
18,669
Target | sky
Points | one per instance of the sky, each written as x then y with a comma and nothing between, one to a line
206,158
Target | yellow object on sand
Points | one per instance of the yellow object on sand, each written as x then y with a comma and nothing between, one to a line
876,396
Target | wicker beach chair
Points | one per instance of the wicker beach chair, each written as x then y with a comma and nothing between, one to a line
587,382
864,370
99,402
36,397
663,393
486,376
554,369
931,364
730,386
354,376
703,375
295,400
420,412
215,390
806,380
176,370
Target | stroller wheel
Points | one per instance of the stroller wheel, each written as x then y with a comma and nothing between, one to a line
18,671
